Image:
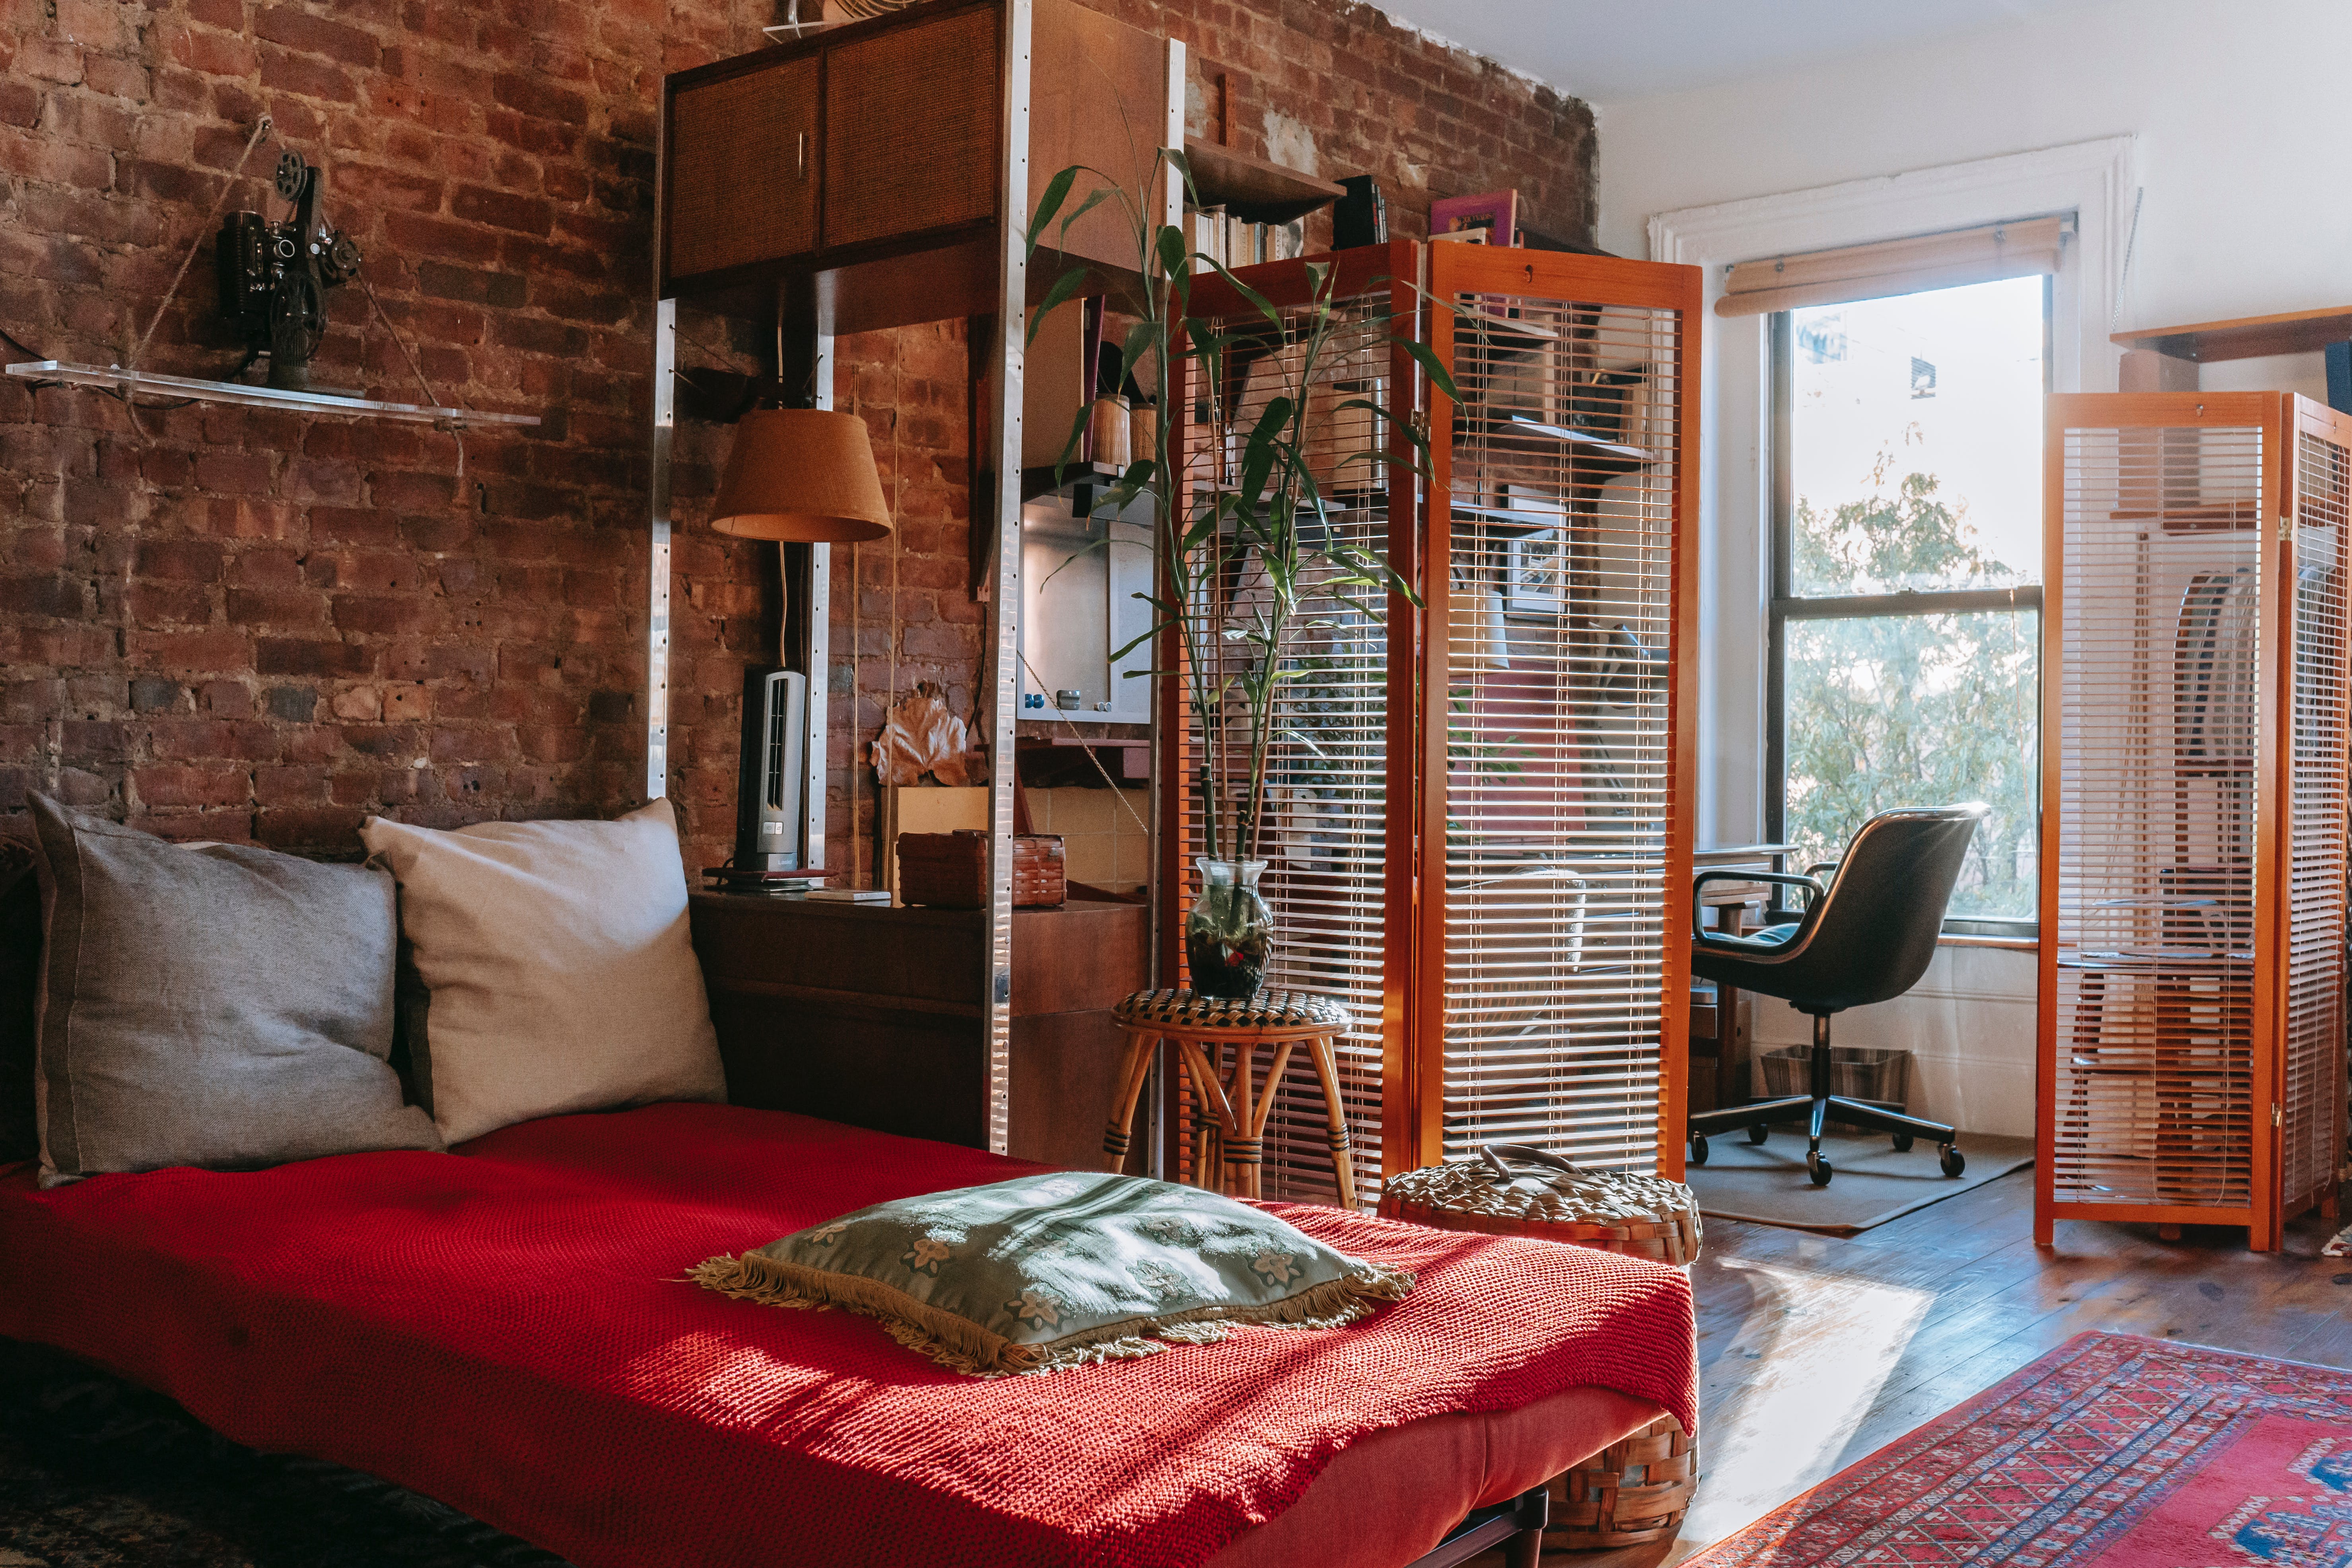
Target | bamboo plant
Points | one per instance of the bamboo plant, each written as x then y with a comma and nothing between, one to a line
1267,518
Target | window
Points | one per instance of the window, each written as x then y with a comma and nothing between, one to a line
1906,599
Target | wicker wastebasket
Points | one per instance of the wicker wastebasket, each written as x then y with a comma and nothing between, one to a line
1881,1078
1635,1490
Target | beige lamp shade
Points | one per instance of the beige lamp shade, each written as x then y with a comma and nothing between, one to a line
802,476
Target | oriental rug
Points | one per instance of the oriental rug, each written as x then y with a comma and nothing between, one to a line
2113,1451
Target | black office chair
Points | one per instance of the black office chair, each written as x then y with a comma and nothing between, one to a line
1864,938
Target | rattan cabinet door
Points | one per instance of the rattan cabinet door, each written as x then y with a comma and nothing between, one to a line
743,166
911,131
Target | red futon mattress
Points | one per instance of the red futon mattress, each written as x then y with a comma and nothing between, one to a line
507,1329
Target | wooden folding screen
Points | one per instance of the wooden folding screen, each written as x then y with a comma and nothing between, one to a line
1483,806
2195,691
1341,786
1552,993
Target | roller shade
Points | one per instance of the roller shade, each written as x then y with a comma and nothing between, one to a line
2024,248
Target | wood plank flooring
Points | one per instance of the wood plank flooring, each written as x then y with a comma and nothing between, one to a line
1816,1351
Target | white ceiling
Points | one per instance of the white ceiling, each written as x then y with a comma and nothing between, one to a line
1605,52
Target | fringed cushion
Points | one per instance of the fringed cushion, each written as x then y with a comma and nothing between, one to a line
1056,1270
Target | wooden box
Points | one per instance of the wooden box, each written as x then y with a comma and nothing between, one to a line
949,871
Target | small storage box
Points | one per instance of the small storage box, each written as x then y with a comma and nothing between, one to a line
949,871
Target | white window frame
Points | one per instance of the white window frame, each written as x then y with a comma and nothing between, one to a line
2093,180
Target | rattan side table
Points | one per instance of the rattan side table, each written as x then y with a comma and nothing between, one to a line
1230,1102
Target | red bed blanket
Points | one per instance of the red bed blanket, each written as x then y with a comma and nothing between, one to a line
507,1330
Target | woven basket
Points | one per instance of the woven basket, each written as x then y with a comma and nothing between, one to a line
1643,1215
949,871
1628,1494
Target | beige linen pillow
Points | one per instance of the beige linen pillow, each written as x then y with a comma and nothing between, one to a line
557,967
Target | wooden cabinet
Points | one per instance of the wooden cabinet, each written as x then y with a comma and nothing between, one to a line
912,125
860,167
873,1016
743,179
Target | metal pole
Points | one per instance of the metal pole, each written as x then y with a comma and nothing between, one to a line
1004,599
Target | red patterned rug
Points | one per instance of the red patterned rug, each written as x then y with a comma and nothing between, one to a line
2113,1451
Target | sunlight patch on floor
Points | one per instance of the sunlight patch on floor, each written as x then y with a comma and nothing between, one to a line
1807,1360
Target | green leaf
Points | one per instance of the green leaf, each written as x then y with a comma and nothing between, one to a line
1429,362
1141,337
1058,191
1184,166
1245,291
1094,200
1070,449
1175,258
1068,284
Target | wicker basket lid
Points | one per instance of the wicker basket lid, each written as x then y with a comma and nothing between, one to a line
1515,1182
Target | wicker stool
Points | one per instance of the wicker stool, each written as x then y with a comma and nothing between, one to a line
1231,1103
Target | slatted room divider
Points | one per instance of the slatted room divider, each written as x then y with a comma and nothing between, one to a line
1481,838
2194,840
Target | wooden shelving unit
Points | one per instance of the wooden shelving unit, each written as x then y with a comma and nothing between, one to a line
2247,337
1252,189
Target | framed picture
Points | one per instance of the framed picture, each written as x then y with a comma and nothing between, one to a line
1535,572
1495,212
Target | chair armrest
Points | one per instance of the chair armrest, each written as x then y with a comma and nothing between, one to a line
1699,933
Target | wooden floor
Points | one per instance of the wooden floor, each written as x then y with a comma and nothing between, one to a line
1816,1351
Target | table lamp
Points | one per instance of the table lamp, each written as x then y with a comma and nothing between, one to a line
797,475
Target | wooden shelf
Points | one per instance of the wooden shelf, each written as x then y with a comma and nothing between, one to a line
1252,189
1039,482
2247,337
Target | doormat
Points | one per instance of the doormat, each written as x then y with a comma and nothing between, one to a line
1869,1184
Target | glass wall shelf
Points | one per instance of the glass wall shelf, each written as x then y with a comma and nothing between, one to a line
115,378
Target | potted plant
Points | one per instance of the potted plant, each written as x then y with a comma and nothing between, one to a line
1253,564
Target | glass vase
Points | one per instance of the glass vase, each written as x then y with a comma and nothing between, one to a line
1229,935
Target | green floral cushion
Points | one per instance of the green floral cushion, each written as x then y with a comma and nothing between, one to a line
1055,1270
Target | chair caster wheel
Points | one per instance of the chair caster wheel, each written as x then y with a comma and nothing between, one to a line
1698,1150
1758,1132
1954,1162
1819,1169
1903,1143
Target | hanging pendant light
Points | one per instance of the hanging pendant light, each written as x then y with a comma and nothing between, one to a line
802,476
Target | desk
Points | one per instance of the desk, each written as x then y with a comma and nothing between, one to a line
1732,903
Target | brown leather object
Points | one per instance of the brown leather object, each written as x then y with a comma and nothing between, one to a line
949,871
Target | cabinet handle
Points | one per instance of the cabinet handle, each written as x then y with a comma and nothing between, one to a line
799,155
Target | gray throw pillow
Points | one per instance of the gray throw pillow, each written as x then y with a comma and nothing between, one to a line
20,987
219,1005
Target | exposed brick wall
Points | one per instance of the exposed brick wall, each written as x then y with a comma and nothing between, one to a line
239,624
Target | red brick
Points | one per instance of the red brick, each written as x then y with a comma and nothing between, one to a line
311,35
304,76
50,59
161,785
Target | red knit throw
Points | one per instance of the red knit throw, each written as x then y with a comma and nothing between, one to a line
510,1330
